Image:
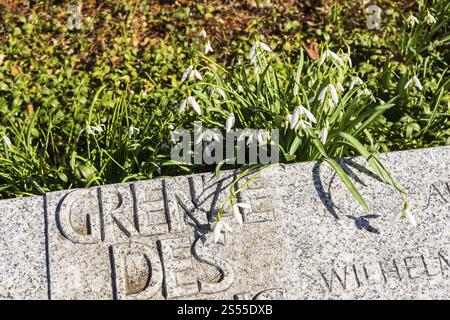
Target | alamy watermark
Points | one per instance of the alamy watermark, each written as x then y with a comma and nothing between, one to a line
237,146
74,20
374,19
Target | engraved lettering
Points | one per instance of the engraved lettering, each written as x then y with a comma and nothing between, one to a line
137,269
334,274
411,267
78,216
180,279
226,273
393,270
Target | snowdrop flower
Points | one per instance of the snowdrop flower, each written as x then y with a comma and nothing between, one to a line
197,74
304,125
323,134
349,60
255,46
416,82
429,19
303,111
2,57
186,73
219,227
366,93
328,53
208,47
329,88
406,214
412,21
355,81
294,119
291,121
230,122
6,141
203,33
237,213
340,87
131,131
191,71
220,91
190,101
92,130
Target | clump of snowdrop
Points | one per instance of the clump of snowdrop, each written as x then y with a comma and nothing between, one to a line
191,72
414,80
190,101
412,21
258,45
92,130
429,19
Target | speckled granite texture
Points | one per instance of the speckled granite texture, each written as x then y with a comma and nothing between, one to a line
304,237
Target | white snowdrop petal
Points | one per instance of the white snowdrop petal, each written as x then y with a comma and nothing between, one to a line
237,215
243,205
323,57
323,135
411,219
186,73
265,47
222,93
197,75
7,141
226,227
334,95
308,114
217,231
195,106
230,122
322,94
183,105
417,83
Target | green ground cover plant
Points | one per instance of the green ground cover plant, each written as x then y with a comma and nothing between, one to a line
96,105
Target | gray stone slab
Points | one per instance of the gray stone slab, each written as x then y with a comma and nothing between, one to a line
303,237
22,249
335,250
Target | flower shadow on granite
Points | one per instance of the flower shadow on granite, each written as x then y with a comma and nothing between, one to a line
324,193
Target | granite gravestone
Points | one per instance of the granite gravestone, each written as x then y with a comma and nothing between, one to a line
303,237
